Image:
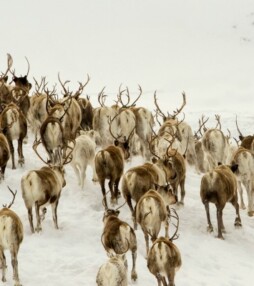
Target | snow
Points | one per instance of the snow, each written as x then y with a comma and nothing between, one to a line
205,49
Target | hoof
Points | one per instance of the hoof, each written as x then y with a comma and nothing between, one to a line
238,223
209,229
220,237
251,213
134,276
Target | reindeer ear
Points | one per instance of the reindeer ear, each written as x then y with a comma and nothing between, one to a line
154,160
126,145
234,168
117,212
241,137
219,163
116,142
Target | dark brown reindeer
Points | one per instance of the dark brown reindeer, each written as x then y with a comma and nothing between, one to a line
14,126
11,236
118,237
219,187
109,164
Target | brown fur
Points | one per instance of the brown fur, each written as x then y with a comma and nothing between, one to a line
151,211
40,187
109,164
179,167
4,154
87,113
138,180
7,129
11,236
164,258
119,237
219,187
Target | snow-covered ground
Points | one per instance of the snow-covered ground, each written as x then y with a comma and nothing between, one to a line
73,254
204,48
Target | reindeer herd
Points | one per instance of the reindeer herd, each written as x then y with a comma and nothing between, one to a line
67,129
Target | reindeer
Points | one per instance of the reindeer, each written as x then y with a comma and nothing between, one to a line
118,237
113,272
11,236
101,119
152,210
219,186
87,113
52,138
4,155
14,126
41,187
163,260
38,110
185,140
140,179
109,164
244,158
246,141
83,155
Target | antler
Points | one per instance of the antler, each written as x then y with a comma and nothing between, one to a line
66,91
182,106
102,97
217,117
39,87
175,235
81,87
9,65
201,123
35,146
110,124
14,195
128,95
158,110
240,133
28,69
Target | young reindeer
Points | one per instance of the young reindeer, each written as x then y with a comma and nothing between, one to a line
11,236
219,187
152,210
109,164
41,187
113,272
118,237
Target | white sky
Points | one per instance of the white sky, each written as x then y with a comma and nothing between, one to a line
202,47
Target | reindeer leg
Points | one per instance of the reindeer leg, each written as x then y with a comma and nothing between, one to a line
209,227
30,217
238,222
219,220
38,217
54,206
249,195
103,190
147,242
14,262
166,228
134,275
20,152
240,190
164,282
182,187
171,277
83,175
111,188
159,279
3,264
12,153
